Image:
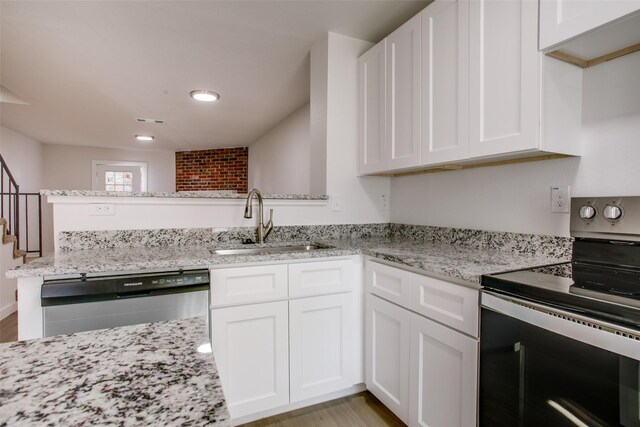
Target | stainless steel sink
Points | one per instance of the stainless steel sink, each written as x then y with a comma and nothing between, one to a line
268,250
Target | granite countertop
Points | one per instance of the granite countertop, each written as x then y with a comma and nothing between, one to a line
179,194
445,260
149,374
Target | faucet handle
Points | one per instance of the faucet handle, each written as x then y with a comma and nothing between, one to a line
269,225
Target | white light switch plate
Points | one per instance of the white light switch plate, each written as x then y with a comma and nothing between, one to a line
336,203
102,209
560,199
384,202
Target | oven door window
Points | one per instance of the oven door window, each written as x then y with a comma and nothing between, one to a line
533,377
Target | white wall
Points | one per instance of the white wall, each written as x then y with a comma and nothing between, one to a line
359,195
279,161
68,167
517,197
24,158
318,115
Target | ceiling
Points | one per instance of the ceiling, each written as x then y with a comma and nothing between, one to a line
88,69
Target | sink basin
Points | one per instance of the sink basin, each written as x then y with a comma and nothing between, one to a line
268,250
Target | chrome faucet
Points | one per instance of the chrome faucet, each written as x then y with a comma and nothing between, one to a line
263,231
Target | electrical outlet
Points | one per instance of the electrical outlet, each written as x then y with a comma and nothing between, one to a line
560,199
102,209
336,204
384,202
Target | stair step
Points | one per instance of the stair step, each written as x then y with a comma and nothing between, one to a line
10,238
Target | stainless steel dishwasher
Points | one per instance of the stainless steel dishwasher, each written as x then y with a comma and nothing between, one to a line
97,302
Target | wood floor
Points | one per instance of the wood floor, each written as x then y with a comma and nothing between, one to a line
9,328
359,410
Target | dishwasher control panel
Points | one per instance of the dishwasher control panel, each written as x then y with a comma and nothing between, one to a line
100,288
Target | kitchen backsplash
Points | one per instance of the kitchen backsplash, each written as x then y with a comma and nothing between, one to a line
77,240
553,246
492,240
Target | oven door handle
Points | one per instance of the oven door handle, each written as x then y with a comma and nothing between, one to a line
607,336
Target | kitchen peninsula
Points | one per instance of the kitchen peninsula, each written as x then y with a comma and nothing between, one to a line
150,374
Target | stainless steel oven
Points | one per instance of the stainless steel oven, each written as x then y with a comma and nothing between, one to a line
560,345
96,302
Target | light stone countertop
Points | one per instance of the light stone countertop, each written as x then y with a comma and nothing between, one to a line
179,194
444,260
149,374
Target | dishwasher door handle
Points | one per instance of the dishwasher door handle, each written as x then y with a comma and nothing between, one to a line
133,295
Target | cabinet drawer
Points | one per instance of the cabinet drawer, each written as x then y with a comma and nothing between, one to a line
248,284
389,283
317,278
453,305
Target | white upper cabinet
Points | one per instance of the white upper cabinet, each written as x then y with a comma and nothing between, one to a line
522,103
372,151
563,20
403,96
466,84
445,82
504,85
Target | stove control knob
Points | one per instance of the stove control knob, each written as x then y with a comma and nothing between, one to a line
587,212
612,213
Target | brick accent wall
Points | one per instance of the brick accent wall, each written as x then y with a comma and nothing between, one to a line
217,169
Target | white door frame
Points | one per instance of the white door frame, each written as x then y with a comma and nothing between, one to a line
94,172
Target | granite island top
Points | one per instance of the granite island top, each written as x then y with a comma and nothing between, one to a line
444,260
149,374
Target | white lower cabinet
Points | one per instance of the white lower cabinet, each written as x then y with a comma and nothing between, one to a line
251,347
421,359
320,336
387,354
443,376
271,354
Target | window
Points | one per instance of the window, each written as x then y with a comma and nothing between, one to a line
119,175
118,181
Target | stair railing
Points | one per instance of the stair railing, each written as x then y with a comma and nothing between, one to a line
13,201
10,209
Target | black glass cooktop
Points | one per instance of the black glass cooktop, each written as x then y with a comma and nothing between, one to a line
600,290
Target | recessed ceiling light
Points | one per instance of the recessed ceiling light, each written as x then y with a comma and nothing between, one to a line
204,95
146,138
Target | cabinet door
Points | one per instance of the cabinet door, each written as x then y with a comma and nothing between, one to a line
403,95
371,110
562,20
445,81
444,376
321,334
504,77
387,331
250,345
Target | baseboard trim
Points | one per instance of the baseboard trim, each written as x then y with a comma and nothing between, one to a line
358,388
7,310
